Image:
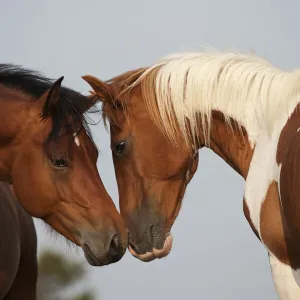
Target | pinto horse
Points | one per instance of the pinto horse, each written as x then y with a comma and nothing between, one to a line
18,259
47,153
238,105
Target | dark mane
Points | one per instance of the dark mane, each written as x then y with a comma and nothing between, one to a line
72,105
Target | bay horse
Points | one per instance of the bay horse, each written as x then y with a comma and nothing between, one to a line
18,249
238,105
47,153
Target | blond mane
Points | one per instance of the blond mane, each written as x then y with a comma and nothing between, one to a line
183,86
124,81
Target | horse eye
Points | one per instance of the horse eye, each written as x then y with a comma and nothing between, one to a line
59,163
119,148
117,104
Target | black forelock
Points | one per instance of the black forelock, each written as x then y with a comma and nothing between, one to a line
71,105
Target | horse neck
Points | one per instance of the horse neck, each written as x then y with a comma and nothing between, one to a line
230,143
14,109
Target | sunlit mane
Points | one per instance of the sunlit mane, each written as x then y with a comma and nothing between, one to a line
246,88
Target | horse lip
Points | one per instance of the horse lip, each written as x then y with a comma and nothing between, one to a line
90,256
137,252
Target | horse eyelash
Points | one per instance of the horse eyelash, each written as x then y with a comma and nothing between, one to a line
60,155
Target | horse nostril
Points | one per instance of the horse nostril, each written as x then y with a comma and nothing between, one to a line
114,248
151,234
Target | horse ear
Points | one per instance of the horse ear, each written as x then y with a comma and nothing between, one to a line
102,89
50,99
93,95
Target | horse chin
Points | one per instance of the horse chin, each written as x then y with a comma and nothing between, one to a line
156,253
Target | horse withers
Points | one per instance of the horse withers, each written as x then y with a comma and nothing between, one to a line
47,153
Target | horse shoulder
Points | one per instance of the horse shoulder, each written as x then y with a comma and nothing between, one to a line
280,224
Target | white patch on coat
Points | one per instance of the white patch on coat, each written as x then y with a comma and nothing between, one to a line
286,280
263,171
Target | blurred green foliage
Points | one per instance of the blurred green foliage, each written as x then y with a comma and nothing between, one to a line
58,276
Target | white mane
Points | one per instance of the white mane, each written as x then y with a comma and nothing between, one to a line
243,87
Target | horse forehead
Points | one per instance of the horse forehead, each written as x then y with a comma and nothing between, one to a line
85,145
82,140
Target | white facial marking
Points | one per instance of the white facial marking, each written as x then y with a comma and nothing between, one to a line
76,140
286,280
298,129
